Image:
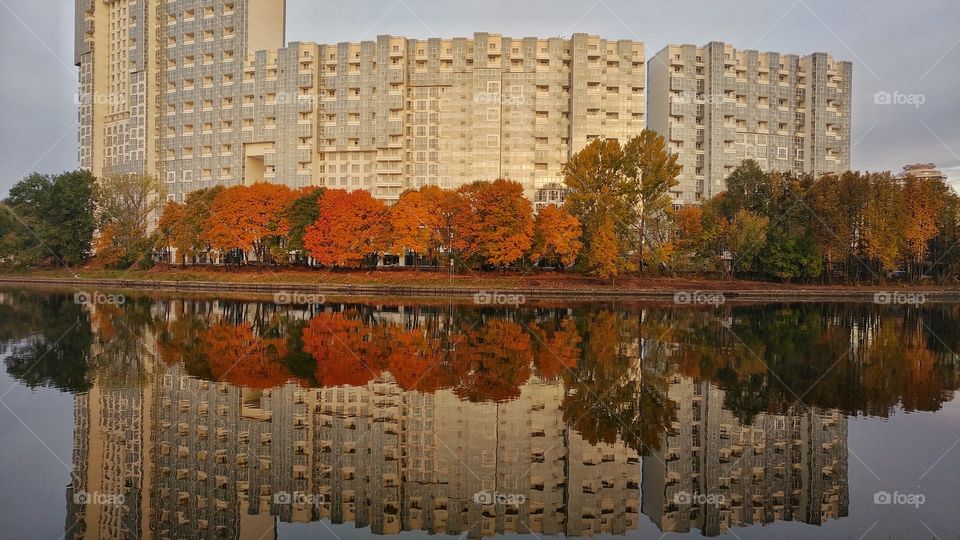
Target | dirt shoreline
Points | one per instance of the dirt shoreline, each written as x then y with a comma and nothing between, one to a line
690,291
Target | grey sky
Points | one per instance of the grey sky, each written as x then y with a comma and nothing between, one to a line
896,46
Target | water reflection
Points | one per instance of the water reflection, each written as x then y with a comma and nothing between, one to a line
216,418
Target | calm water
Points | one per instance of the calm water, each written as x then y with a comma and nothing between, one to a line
199,417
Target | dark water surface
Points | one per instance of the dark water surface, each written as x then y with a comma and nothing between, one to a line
197,417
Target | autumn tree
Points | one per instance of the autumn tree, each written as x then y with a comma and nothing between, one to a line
251,219
351,227
924,200
167,225
605,202
127,207
686,242
652,172
188,222
494,224
884,222
745,236
604,253
556,236
417,222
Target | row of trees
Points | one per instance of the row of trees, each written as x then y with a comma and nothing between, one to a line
618,217
851,227
481,224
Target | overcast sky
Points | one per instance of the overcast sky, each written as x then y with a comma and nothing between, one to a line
909,49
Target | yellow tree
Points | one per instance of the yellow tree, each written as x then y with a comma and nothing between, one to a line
924,201
604,252
556,236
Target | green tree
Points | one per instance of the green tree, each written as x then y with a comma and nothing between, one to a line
50,218
302,212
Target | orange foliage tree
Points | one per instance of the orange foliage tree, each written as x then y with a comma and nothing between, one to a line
169,224
350,227
556,236
250,218
415,222
494,223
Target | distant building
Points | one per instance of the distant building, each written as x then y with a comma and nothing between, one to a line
922,171
717,106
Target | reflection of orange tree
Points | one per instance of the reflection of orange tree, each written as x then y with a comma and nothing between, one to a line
346,350
492,361
557,347
238,356
417,362
607,398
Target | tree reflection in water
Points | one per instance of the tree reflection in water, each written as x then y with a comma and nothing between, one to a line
595,386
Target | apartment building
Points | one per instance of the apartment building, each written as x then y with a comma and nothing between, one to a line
717,106
206,92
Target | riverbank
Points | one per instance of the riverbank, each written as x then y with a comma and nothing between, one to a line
431,284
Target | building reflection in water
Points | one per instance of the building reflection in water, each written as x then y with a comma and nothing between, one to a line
193,457
716,472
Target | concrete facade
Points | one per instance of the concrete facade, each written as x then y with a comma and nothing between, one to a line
206,92
717,106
